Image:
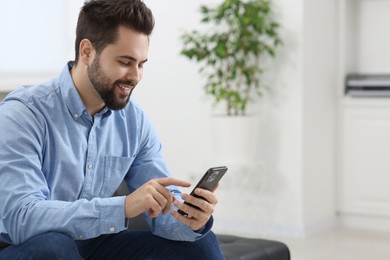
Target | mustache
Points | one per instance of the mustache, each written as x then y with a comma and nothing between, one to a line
126,82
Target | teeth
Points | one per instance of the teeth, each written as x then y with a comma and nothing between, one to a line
124,86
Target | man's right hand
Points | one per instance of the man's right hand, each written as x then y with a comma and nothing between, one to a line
153,197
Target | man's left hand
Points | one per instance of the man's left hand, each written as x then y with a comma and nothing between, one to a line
197,218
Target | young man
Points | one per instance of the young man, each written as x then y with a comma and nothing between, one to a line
67,144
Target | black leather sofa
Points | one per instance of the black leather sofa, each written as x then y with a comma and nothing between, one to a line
233,247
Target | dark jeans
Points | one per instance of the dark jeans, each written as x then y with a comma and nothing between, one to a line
124,245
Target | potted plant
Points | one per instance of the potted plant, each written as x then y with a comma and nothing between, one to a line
242,33
230,53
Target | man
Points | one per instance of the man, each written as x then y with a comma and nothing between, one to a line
67,144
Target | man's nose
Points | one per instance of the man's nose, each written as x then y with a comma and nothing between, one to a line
134,73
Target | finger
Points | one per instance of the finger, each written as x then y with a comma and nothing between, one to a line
203,206
207,195
188,209
160,199
168,204
173,181
193,223
166,198
154,209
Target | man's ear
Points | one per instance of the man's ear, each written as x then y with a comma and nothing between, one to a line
86,52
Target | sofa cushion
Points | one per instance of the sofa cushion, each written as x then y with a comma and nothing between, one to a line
234,247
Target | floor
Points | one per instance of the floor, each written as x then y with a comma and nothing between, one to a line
341,244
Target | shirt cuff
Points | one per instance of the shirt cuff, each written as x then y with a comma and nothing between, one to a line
206,229
112,215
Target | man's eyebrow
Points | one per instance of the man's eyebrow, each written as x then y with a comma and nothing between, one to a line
131,58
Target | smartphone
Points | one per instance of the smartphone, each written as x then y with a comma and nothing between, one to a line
208,182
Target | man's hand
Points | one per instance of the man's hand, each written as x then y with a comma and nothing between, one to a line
197,218
152,197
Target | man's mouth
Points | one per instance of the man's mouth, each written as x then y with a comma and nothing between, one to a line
124,89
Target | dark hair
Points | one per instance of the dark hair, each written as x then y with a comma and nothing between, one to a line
99,21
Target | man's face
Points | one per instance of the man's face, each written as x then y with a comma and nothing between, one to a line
115,72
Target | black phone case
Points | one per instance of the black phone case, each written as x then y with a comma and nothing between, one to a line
208,182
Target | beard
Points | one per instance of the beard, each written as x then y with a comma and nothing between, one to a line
106,89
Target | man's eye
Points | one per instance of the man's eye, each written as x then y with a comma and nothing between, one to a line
124,63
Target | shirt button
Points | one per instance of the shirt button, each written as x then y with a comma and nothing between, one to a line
112,229
76,115
90,165
81,237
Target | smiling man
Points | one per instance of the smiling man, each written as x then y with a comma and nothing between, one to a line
110,83
68,143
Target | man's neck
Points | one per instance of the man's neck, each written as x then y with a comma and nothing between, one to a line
88,94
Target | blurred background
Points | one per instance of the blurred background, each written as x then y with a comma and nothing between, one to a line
321,160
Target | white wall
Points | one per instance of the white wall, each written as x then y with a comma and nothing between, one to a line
297,138
171,91
296,141
319,105
37,40
27,42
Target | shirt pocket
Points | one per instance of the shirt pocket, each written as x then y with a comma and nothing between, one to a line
115,170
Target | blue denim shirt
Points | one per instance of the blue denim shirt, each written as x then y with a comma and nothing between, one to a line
59,166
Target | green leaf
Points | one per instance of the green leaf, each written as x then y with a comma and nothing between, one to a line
230,54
